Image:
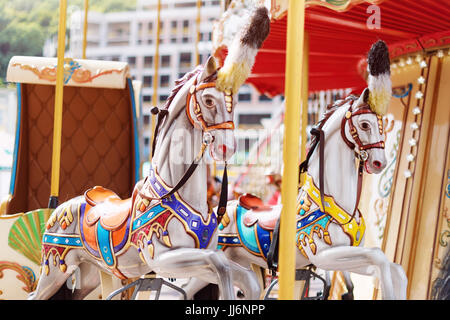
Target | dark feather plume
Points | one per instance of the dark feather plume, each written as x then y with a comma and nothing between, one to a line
378,59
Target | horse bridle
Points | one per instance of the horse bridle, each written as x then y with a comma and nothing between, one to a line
207,140
358,147
192,95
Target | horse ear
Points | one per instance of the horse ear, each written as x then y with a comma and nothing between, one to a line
210,68
366,94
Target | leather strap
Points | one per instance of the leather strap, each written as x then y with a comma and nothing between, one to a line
222,208
192,95
272,255
162,113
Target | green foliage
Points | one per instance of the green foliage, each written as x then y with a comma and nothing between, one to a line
26,24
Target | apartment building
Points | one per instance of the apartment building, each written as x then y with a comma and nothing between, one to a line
131,37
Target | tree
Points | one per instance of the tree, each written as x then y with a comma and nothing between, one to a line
26,24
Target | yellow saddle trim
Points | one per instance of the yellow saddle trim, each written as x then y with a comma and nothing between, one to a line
353,229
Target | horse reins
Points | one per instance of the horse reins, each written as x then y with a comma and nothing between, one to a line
207,140
359,149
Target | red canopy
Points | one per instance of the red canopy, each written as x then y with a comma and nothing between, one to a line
339,41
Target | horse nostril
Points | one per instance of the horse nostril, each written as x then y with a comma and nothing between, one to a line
377,164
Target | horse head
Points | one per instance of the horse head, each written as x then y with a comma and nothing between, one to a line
362,127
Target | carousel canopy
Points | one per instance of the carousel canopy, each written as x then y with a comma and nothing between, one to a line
340,35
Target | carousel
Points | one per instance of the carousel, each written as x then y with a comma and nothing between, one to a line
359,201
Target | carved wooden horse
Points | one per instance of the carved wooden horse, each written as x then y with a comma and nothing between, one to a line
166,226
330,228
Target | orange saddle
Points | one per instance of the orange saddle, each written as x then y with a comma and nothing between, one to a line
258,212
106,207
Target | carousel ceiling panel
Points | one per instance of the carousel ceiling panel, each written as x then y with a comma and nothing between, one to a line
339,39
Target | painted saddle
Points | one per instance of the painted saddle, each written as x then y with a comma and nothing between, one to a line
255,222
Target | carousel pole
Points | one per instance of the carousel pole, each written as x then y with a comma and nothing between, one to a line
304,123
155,75
197,40
57,118
291,152
85,27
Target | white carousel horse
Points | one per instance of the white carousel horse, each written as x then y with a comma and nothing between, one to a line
330,239
168,230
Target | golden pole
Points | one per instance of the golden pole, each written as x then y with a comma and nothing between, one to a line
291,152
155,76
57,119
304,123
197,53
85,27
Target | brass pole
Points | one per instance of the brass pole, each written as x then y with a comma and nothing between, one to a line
57,118
197,23
291,152
304,123
85,27
155,75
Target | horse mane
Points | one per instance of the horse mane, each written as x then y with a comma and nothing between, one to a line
182,81
330,109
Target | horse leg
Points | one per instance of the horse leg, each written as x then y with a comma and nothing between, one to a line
358,260
247,281
208,265
399,280
193,286
50,283
89,280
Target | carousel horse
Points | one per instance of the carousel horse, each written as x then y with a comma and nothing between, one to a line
166,226
330,228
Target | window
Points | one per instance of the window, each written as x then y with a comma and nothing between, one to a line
131,61
173,27
148,62
150,27
146,141
185,59
146,120
147,98
252,118
165,61
163,98
164,81
173,40
264,98
244,97
185,39
147,81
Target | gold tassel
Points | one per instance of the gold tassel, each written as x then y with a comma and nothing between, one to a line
166,240
151,250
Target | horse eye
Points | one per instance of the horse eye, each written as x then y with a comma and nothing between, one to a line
365,126
209,102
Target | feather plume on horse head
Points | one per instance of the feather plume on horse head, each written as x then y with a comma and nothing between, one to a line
242,52
379,79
